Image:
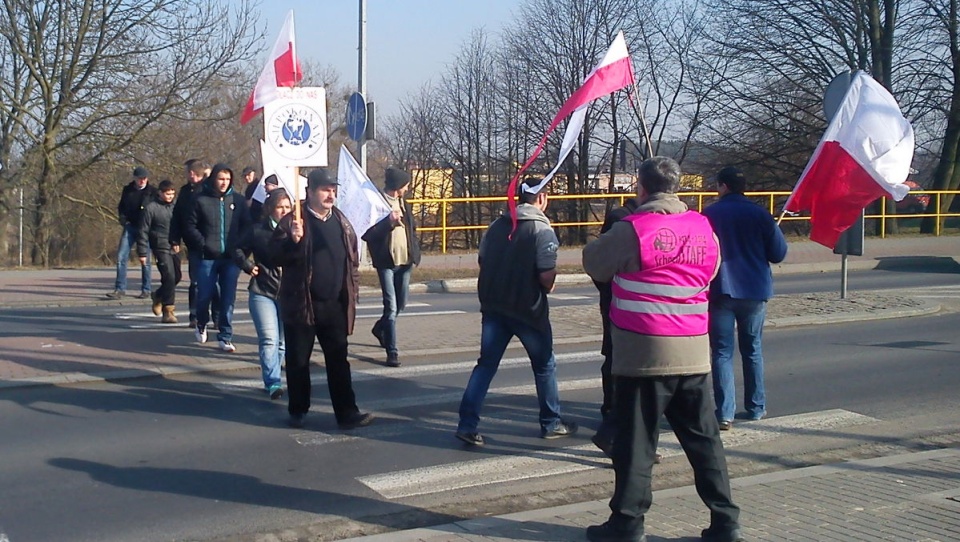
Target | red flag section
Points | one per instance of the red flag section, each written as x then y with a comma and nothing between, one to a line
281,70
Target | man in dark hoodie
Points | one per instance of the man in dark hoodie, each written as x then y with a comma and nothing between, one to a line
217,220
155,236
134,197
516,273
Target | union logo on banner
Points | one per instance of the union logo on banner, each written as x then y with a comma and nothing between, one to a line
295,126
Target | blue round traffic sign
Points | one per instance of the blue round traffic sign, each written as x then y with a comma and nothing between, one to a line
356,116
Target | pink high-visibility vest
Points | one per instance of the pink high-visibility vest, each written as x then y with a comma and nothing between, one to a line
668,296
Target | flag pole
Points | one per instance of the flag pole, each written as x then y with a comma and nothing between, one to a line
296,194
780,218
643,123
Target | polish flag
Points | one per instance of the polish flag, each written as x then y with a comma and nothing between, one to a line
864,154
613,73
282,70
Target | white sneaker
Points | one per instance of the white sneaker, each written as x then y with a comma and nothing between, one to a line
227,346
201,334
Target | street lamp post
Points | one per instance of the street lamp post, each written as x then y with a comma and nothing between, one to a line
362,79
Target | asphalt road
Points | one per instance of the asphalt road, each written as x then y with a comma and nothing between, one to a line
208,457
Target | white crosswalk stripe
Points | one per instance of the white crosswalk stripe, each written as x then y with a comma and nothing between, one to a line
549,462
414,371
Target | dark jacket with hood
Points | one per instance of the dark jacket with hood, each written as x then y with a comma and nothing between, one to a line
256,242
154,227
217,220
378,240
510,267
132,202
296,259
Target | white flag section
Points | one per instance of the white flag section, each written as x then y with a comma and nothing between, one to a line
273,164
358,198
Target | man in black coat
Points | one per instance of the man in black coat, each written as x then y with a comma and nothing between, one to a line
132,201
155,236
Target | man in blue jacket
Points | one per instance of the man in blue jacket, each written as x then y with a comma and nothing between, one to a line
750,241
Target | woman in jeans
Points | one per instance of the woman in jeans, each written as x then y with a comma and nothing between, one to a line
264,285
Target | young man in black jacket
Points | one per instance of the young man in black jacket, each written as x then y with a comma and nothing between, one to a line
155,236
196,171
214,226
134,197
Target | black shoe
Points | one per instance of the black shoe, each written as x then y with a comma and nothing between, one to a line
297,421
565,429
357,419
116,294
721,535
378,333
473,439
726,425
609,533
393,360
605,445
144,295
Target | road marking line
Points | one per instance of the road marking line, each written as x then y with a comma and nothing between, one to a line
410,314
568,297
380,305
407,371
549,462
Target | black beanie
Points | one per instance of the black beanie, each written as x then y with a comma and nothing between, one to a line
395,179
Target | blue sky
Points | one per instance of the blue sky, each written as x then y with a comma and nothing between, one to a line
409,42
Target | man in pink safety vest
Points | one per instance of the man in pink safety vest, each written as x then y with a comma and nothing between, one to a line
660,260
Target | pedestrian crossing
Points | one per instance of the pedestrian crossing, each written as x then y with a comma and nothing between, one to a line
431,414
584,457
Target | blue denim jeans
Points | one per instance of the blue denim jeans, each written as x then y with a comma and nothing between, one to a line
128,240
496,332
746,315
394,285
266,320
222,273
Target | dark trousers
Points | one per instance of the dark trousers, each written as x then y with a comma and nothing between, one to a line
688,406
330,330
168,264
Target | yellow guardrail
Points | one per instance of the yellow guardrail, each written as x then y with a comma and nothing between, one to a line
774,199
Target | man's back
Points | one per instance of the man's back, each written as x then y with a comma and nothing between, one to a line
750,241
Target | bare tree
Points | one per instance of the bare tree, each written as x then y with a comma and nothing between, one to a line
105,71
935,72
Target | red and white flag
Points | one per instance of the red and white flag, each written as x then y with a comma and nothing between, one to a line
282,70
864,154
613,73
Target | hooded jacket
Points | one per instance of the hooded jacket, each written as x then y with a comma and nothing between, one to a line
216,221
634,354
154,227
510,267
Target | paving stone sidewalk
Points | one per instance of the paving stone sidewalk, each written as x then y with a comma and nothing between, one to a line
911,497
